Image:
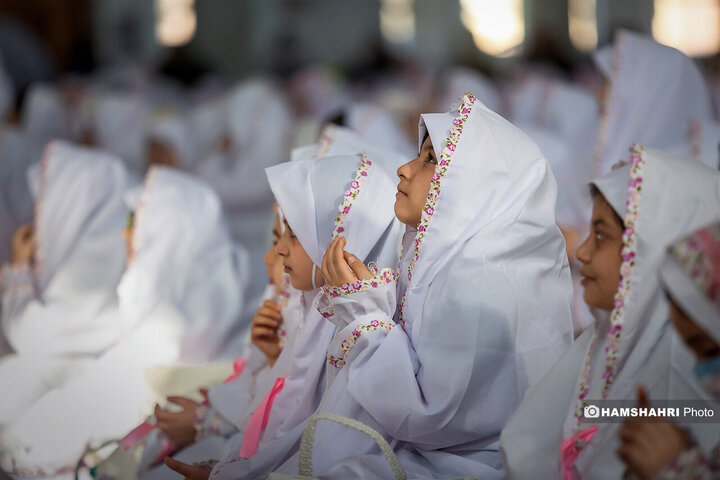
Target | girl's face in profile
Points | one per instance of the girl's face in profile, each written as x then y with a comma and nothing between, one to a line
272,260
415,177
600,256
296,261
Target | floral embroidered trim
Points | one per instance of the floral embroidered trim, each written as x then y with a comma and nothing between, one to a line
140,212
352,338
699,257
627,267
282,300
428,211
327,137
351,194
383,277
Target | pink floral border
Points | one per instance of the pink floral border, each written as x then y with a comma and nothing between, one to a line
353,337
428,211
627,267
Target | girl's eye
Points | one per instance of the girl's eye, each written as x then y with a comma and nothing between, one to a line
599,236
431,159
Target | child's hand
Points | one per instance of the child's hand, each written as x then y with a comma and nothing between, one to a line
22,245
178,426
648,445
340,267
189,472
264,330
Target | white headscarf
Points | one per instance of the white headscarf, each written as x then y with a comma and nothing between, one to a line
691,275
640,109
666,196
79,250
310,194
184,257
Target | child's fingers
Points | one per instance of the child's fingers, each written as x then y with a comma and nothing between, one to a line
272,305
331,266
264,332
324,266
262,321
188,471
269,312
358,268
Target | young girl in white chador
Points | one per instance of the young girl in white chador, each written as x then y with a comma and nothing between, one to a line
59,307
639,209
319,199
438,360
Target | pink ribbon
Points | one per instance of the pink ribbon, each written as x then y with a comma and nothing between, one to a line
238,367
142,431
136,435
570,449
258,421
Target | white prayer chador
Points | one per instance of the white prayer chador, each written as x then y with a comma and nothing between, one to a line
183,256
59,314
320,199
676,196
640,109
483,312
259,123
178,299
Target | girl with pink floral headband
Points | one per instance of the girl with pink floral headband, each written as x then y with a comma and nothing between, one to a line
639,209
691,277
438,359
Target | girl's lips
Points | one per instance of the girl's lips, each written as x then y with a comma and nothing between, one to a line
585,280
287,269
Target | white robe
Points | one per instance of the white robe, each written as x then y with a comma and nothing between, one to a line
487,312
